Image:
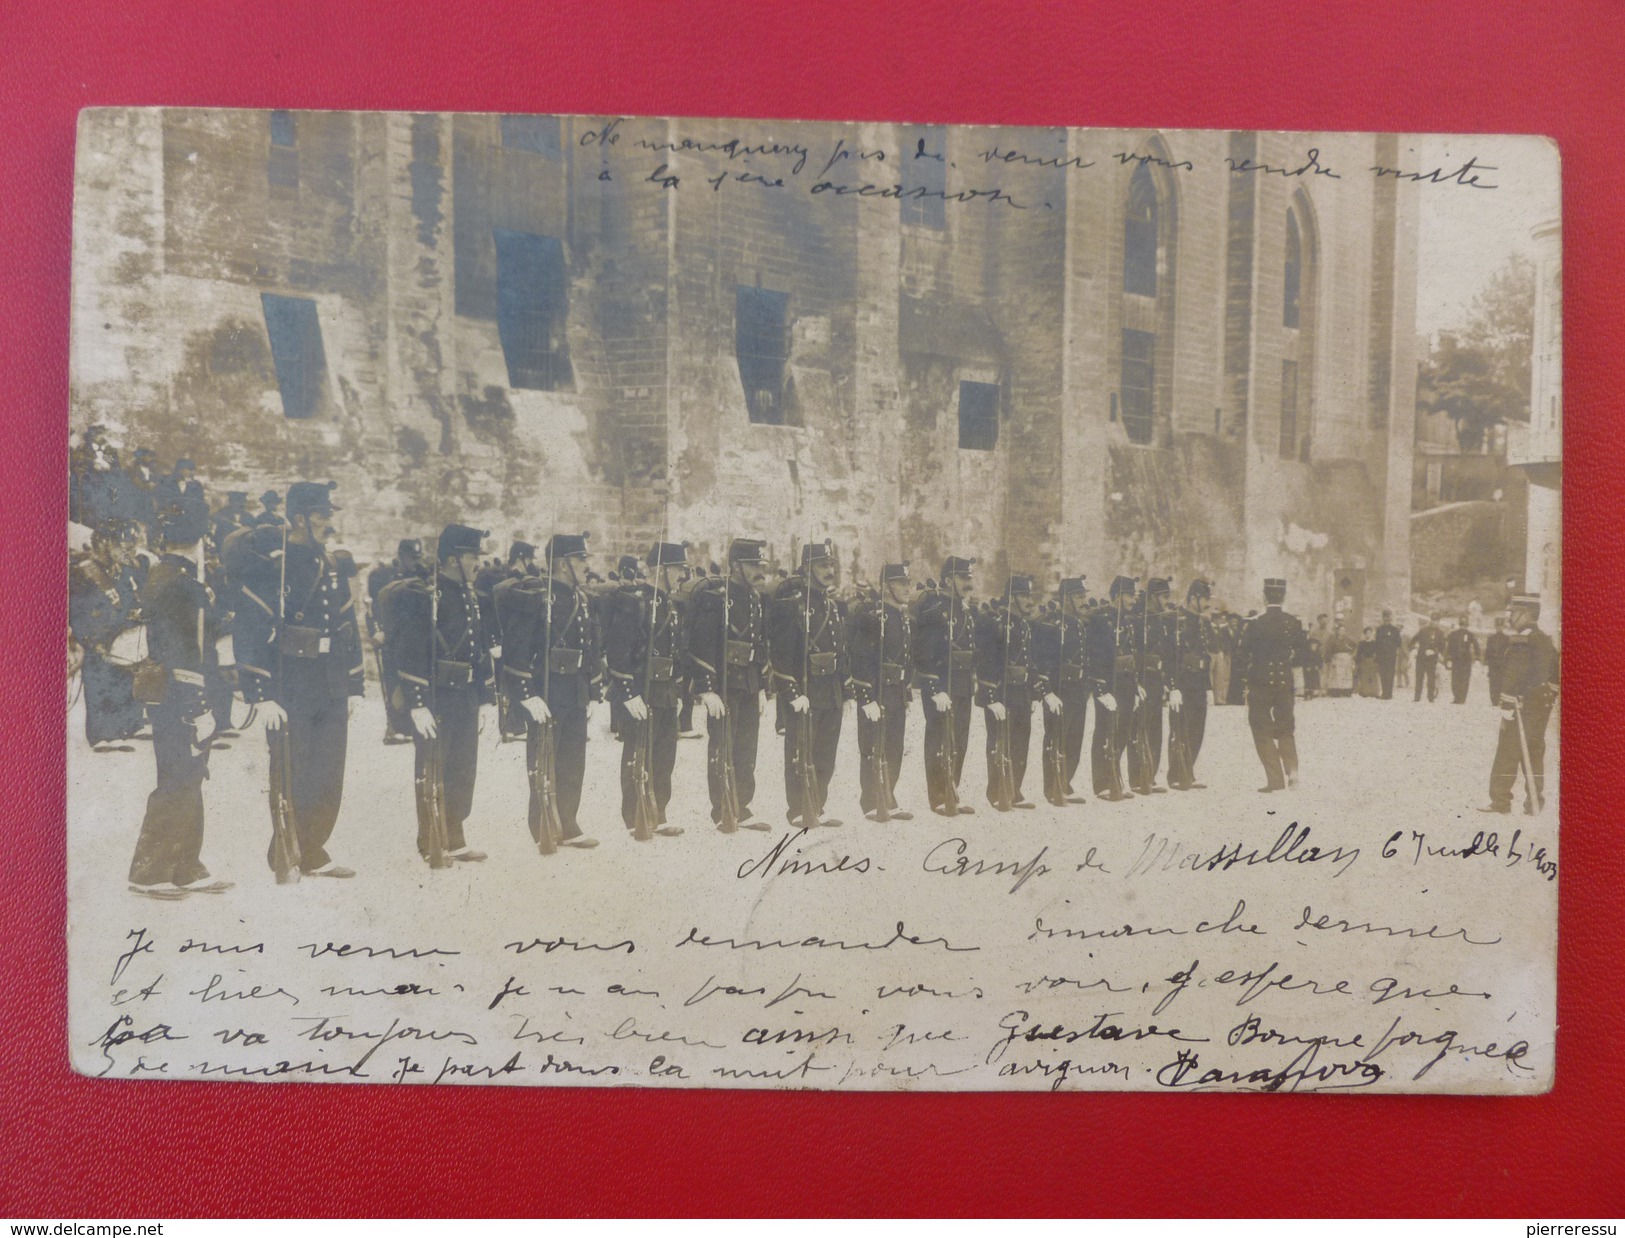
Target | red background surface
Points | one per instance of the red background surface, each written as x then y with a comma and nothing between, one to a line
74,1147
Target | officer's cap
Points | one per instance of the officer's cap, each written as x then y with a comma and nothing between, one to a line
667,554
311,497
1526,601
567,546
953,565
1019,585
817,552
1071,586
1122,586
628,567
270,498
746,550
894,571
520,550
1198,588
410,548
1158,586
1274,589
456,539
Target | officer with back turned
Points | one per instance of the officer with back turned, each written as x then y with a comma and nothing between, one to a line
1272,644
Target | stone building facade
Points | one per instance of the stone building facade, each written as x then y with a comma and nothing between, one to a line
1056,350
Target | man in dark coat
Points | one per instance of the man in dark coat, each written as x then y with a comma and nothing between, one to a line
1389,639
102,615
1460,652
1271,646
882,660
945,669
1529,690
806,636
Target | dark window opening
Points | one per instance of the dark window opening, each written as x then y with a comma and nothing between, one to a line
296,350
537,134
1140,235
978,416
762,346
925,178
1139,376
1289,409
1292,297
532,309
282,128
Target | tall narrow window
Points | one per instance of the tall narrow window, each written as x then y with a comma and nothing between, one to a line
537,134
532,309
978,416
1140,235
762,346
282,159
925,177
1292,293
1289,409
296,350
1139,385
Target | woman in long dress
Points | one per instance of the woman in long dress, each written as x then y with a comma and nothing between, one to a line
1366,680
1339,657
1219,667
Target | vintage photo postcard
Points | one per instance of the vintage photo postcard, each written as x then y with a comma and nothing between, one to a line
598,600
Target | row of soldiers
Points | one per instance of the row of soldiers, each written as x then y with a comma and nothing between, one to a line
549,649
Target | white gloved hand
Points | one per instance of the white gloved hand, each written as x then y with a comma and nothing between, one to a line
998,710
423,722
636,707
273,715
1176,698
1052,702
871,711
714,706
942,701
800,704
1107,701
536,708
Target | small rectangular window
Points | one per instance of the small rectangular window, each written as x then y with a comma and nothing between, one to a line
762,346
282,128
1289,409
296,350
537,134
1138,384
925,177
978,416
532,309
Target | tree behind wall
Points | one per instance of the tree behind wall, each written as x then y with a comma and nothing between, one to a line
1479,376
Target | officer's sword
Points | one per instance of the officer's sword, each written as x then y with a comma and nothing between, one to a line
1533,801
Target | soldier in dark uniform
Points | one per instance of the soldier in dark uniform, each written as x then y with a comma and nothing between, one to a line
1460,652
1111,642
882,659
1272,644
298,650
270,501
1059,653
1429,644
233,516
554,651
137,491
102,597
641,646
178,611
725,646
383,586
1153,633
442,648
521,566
1389,640
1190,668
945,669
806,636
1007,684
1495,653
1529,690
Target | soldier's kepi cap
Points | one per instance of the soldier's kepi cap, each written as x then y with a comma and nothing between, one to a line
1019,585
520,550
1122,586
567,546
1198,588
311,497
746,550
1158,586
1525,601
270,498
628,567
457,539
1071,586
816,552
894,571
1274,588
668,554
410,548
953,565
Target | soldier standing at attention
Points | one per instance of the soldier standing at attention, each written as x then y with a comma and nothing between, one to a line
1270,646
1529,690
806,638
1059,654
299,663
178,610
1154,632
1111,642
1190,667
389,581
882,664
1008,685
555,651
521,566
1388,639
1495,653
1460,652
1429,644
945,668
443,661
641,658
725,646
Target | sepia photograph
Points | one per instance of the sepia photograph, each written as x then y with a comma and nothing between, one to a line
625,601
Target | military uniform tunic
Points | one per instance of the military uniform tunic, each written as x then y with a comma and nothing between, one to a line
806,635
1059,653
1272,644
1190,664
725,649
641,660
945,661
1530,679
1005,673
1111,654
882,666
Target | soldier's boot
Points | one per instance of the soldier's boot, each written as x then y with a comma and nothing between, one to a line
1274,777
1288,746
